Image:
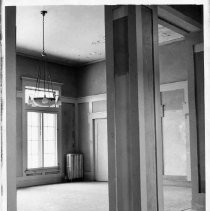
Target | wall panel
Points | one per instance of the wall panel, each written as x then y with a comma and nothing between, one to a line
19,140
99,106
84,135
68,130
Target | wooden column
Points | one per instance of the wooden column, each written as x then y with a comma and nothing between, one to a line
196,109
133,111
197,124
9,112
1,102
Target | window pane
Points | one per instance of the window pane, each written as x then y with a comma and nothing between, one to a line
50,160
33,162
34,119
34,144
50,139
49,147
49,134
50,120
35,133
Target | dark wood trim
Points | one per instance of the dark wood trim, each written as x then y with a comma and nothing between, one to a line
9,112
178,19
172,26
110,109
158,122
198,199
134,26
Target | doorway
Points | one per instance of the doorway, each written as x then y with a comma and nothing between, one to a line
101,149
175,130
176,146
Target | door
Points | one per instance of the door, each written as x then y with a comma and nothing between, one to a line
176,148
101,150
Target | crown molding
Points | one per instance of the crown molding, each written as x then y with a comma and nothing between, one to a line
171,41
59,61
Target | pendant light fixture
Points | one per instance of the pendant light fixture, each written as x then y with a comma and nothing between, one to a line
44,83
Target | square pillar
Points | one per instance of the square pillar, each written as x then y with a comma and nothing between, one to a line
133,108
197,120
8,177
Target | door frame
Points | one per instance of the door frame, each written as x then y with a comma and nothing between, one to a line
92,117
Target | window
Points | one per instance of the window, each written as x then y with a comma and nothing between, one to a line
41,139
41,134
31,91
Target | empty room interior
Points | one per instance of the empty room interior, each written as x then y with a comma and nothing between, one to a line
109,107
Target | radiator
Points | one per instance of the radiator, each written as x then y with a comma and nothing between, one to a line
74,166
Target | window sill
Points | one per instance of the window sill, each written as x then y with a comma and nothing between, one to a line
42,171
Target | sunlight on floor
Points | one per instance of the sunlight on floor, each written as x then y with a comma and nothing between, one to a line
177,198
87,196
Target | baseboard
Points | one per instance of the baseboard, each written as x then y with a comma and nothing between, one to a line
88,176
198,202
34,181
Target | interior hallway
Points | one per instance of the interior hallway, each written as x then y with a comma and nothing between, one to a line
88,196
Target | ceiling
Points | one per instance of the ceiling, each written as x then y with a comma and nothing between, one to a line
74,35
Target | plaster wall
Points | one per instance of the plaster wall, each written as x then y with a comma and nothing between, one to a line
173,61
29,67
91,79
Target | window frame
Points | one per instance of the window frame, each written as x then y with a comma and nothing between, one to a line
42,126
25,109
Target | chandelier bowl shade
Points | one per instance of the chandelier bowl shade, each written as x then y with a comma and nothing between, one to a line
38,101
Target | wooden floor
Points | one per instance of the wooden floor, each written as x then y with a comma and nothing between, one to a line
88,196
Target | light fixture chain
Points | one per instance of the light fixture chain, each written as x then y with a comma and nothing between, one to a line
47,100
51,82
43,50
43,12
